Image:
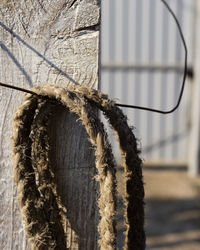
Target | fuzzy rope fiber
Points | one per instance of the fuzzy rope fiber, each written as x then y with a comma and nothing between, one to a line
44,214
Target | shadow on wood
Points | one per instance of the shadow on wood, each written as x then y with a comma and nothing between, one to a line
71,154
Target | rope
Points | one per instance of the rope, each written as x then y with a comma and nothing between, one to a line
43,212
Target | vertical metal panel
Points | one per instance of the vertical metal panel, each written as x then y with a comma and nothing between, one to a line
142,31
136,89
164,79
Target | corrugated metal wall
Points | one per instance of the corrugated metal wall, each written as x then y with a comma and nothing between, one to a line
138,37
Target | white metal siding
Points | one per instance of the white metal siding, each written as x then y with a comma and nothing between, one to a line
142,32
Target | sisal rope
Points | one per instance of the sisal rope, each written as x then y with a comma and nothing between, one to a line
44,215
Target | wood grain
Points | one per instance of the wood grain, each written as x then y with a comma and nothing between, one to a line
50,42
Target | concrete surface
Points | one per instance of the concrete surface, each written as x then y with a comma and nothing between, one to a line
172,209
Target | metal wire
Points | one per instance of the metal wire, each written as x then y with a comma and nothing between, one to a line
184,74
133,106
17,88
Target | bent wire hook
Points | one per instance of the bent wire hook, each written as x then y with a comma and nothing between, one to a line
133,106
184,75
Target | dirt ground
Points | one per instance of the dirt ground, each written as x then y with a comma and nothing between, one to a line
172,209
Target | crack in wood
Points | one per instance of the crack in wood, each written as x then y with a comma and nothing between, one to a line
94,27
72,4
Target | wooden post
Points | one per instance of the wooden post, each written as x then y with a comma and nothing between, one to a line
50,42
194,140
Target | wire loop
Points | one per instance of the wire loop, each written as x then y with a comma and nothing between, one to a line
140,107
184,75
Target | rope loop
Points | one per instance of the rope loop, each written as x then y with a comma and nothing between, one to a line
44,214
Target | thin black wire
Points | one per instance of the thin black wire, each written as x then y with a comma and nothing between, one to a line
184,75
133,106
17,88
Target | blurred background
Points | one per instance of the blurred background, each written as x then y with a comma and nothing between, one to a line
142,64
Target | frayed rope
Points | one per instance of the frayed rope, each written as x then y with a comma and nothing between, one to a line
44,214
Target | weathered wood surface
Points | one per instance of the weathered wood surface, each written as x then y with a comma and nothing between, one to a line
50,42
